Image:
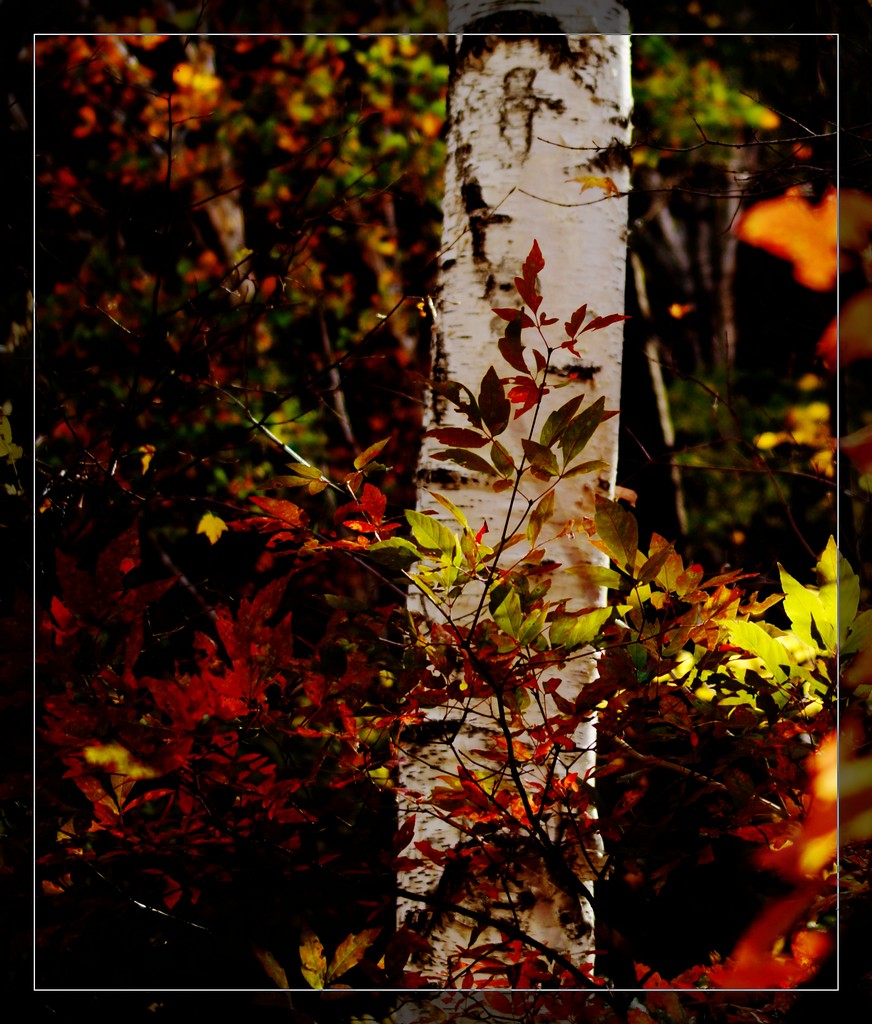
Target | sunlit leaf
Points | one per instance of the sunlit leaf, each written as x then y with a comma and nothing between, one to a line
370,453
599,576
572,631
212,526
617,529
350,952
505,606
430,533
313,963
447,503
114,757
594,181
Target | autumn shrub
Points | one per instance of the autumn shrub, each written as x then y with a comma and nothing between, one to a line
227,788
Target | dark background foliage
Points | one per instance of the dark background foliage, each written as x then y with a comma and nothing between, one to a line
760,316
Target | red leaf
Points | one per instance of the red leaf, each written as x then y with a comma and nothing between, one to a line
534,263
369,454
430,851
599,322
512,315
373,503
512,351
404,834
527,291
495,407
287,511
525,394
575,321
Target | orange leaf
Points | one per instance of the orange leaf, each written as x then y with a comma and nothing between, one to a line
853,329
858,448
790,227
592,181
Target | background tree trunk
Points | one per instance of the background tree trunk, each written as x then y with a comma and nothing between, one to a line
526,115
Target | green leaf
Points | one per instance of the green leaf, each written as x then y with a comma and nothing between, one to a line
307,472
540,515
418,580
580,430
558,421
756,641
600,576
807,614
859,634
430,533
448,504
313,963
495,407
594,466
502,459
350,952
541,458
369,454
839,588
571,631
395,553
469,460
532,626
505,606
618,530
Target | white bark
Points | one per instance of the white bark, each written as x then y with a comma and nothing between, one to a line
526,114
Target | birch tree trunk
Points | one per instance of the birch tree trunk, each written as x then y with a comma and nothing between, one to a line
527,114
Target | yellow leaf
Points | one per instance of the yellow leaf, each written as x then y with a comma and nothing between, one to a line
592,181
146,454
313,963
212,526
118,760
271,966
350,952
